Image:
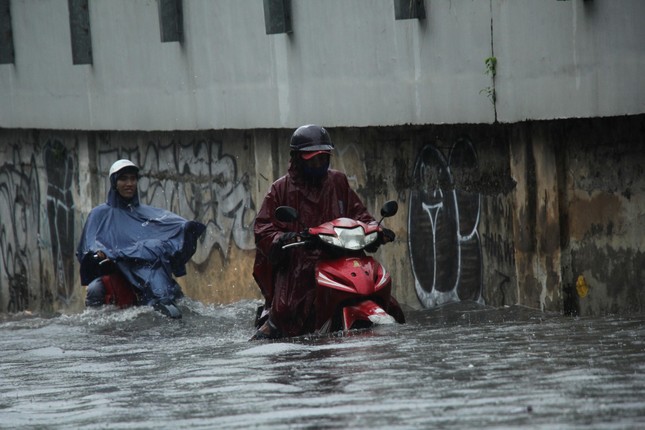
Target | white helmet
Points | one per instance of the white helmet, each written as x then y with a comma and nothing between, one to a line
120,165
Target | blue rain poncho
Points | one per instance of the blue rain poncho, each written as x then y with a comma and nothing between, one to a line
148,245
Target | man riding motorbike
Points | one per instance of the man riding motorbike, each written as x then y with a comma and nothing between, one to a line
142,246
319,194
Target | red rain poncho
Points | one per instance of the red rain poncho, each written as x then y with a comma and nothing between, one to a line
288,284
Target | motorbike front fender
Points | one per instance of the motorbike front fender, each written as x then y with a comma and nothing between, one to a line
367,311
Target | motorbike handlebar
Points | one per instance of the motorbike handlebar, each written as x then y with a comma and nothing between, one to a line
101,258
294,244
303,238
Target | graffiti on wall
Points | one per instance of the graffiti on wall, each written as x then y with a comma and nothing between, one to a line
37,232
197,181
60,167
20,238
444,214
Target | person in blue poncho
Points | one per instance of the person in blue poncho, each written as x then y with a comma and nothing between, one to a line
129,253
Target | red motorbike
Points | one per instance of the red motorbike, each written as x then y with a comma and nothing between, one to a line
353,290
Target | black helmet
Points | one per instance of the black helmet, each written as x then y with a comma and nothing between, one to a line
311,138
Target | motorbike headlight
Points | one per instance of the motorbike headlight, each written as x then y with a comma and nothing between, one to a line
351,238
332,240
371,238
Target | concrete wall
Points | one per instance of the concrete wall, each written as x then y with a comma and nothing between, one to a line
346,63
568,59
506,198
602,202
499,214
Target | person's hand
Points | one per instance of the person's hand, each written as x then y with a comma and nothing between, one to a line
277,255
100,255
387,235
287,238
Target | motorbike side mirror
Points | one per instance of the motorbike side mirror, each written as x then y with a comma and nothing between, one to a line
286,214
389,208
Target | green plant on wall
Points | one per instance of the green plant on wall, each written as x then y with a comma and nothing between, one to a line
491,66
491,70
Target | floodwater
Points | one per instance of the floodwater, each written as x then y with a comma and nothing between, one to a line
457,367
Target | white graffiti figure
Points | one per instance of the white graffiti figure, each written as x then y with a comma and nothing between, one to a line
443,218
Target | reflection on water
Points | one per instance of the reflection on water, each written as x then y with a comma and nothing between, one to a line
460,366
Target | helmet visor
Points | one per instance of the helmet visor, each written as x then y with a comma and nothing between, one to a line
308,155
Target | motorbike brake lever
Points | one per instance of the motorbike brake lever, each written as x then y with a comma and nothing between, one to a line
303,239
294,244
97,256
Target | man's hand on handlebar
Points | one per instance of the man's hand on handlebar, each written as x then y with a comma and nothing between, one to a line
291,238
288,237
101,257
387,235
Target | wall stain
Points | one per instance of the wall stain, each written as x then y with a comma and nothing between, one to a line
598,214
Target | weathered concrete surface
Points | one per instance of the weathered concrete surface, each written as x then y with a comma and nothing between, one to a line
604,185
500,214
537,216
346,63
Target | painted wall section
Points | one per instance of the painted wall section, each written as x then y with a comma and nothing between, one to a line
497,214
346,63
50,181
443,210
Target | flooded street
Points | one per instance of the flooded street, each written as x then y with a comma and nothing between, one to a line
461,366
